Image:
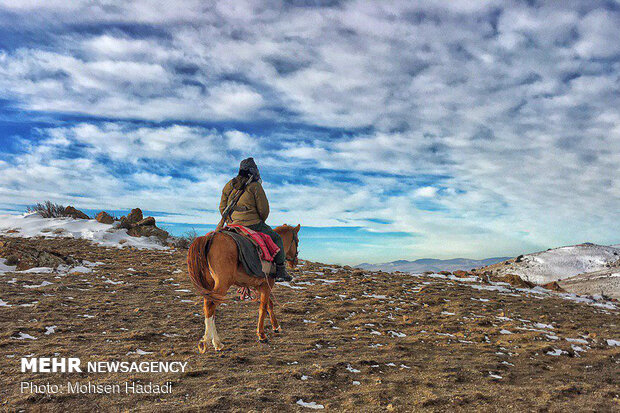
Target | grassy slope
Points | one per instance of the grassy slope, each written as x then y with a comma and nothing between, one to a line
332,331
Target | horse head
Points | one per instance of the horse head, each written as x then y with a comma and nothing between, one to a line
290,239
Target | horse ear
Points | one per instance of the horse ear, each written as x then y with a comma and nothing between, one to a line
296,229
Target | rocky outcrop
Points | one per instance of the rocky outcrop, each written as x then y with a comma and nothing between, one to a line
148,231
75,213
148,221
131,219
517,281
554,286
138,226
461,273
135,216
104,218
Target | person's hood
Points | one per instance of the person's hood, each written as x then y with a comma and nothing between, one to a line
248,167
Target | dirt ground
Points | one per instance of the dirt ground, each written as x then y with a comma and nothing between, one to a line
351,340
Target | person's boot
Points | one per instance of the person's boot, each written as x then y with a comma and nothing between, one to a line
281,274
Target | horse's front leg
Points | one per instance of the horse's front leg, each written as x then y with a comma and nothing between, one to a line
262,310
272,316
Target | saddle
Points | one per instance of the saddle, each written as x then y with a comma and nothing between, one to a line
256,250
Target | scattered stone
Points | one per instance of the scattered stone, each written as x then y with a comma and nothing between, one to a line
75,213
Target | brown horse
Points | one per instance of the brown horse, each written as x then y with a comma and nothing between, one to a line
215,271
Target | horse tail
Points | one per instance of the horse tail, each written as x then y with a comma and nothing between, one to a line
198,269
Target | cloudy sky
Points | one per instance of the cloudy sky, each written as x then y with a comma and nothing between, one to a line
389,130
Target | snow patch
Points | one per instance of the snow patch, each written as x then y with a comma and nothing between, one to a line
577,340
38,270
32,225
43,284
80,269
24,336
310,405
326,281
352,369
139,352
6,268
294,287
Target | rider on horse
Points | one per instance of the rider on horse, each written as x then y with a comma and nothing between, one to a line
252,210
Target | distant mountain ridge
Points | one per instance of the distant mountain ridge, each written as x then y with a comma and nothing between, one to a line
432,264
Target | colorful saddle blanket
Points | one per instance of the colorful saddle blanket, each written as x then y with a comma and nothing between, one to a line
266,247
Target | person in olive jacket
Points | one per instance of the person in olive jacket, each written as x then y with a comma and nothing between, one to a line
252,210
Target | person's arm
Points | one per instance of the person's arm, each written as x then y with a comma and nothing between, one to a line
224,199
262,204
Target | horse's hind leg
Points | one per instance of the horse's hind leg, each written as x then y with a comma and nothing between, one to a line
272,317
210,329
208,310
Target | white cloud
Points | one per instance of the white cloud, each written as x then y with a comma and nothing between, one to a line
501,115
241,141
426,192
599,35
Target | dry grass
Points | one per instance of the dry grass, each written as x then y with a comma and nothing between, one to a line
48,209
184,241
428,345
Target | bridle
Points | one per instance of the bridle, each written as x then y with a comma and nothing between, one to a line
296,241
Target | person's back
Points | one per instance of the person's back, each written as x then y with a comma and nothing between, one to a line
252,209
252,206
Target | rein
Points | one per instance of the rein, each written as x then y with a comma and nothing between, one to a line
296,241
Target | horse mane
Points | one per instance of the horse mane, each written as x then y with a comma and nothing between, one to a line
283,228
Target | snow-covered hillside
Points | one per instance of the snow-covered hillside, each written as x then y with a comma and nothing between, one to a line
560,263
33,225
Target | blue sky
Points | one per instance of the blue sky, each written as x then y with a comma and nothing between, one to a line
389,130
